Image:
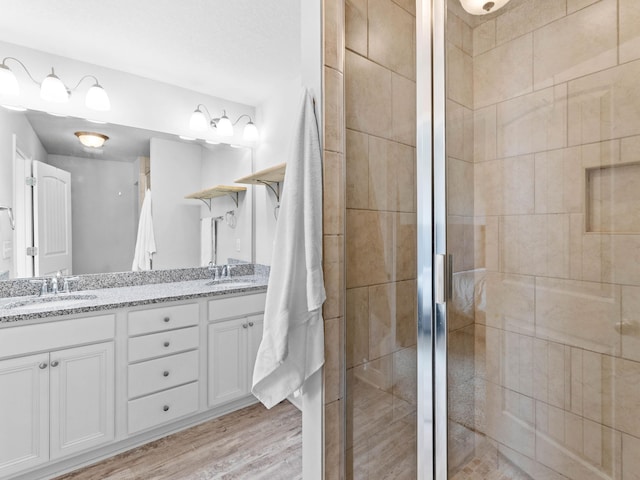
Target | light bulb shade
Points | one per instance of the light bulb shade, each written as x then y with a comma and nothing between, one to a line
53,90
250,133
8,81
224,126
97,99
482,7
198,121
91,139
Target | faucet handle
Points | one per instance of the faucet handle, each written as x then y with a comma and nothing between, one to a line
65,286
43,285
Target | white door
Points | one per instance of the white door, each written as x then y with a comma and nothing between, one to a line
256,323
52,220
24,413
82,398
23,211
227,361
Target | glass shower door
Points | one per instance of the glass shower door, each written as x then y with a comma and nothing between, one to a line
542,167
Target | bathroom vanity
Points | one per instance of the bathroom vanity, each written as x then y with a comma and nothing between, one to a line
98,372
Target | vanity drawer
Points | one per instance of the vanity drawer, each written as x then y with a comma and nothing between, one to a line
162,373
23,339
159,408
163,343
164,318
236,306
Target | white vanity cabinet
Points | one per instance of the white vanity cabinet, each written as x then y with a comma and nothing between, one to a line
234,335
163,369
60,401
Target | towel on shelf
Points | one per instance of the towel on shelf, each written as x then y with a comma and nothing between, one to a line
146,242
292,347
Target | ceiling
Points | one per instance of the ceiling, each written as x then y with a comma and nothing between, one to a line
239,50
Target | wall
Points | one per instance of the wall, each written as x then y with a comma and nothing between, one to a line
103,213
551,87
175,172
13,123
134,100
276,117
380,239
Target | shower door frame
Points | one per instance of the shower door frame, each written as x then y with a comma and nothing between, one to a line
431,240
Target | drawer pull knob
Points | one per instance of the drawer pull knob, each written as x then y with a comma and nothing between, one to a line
165,408
43,365
251,324
166,319
55,363
244,325
166,344
165,373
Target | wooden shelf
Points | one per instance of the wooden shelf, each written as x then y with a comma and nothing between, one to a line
273,174
218,191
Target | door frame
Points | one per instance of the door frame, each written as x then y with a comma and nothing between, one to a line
431,239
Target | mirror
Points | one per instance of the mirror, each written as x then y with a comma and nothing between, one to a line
155,73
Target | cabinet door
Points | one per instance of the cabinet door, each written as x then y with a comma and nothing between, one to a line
24,413
256,322
82,398
227,372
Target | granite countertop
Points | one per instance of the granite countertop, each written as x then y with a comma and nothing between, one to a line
130,296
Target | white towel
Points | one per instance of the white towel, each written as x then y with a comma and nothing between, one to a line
292,347
146,242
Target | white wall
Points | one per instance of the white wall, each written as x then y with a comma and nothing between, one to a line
222,165
175,172
276,118
135,101
13,123
103,206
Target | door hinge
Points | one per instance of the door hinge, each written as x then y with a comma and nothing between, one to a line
30,181
32,251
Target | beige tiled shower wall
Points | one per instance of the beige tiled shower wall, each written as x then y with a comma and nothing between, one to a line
545,328
380,239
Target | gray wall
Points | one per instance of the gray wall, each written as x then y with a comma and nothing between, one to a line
103,212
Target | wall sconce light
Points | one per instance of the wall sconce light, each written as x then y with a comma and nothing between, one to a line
482,7
52,89
201,120
91,139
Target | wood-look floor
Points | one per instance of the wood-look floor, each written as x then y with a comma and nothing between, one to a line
253,443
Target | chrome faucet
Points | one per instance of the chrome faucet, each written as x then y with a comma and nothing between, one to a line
54,283
65,284
43,285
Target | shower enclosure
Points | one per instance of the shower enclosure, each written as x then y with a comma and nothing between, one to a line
526,363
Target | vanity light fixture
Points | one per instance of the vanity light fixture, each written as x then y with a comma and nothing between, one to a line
201,120
52,89
91,139
482,7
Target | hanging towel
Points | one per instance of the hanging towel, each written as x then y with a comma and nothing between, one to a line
292,346
146,242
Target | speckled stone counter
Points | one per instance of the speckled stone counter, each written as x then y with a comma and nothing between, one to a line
128,296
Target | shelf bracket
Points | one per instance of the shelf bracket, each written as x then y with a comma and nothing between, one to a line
207,202
276,190
235,196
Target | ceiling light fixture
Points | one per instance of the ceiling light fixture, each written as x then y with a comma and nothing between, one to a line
52,89
91,139
482,7
201,120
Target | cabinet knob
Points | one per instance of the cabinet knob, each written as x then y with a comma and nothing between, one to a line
43,365
165,373
165,408
167,319
251,324
166,344
244,325
55,363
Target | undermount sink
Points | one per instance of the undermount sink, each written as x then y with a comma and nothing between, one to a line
229,283
36,302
